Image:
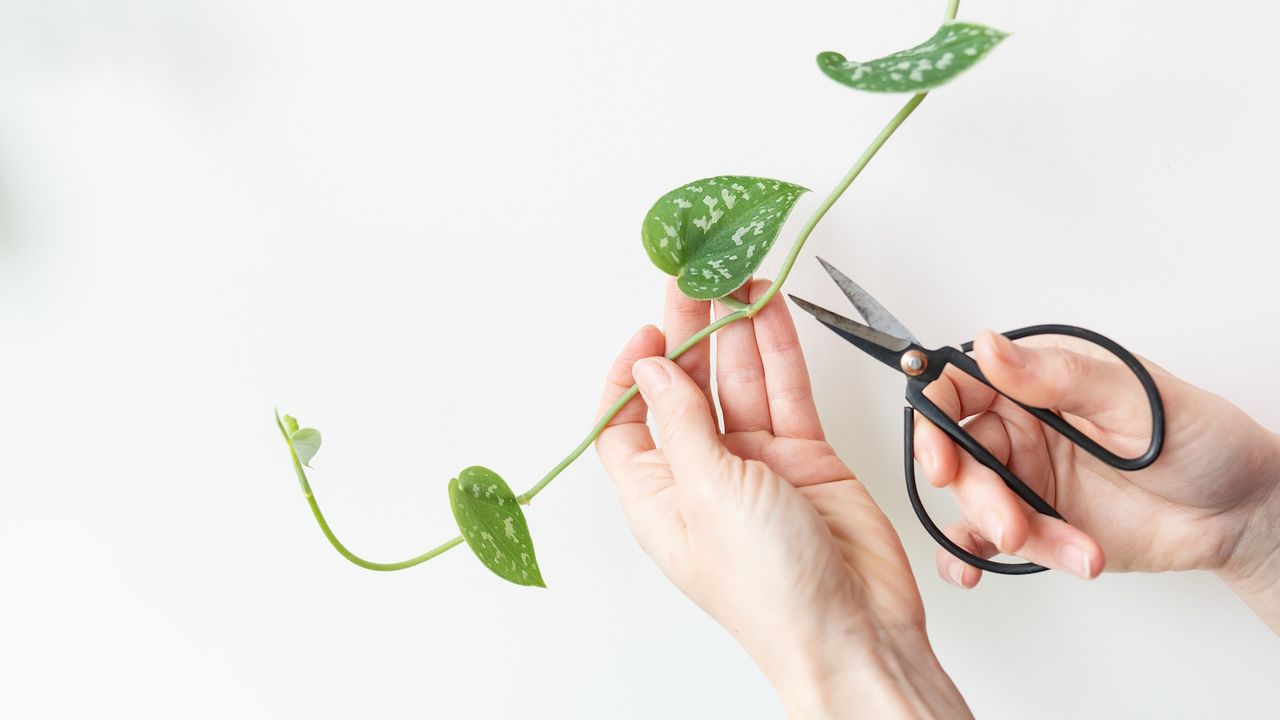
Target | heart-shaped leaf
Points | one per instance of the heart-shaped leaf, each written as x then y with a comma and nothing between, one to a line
493,525
714,233
305,442
952,50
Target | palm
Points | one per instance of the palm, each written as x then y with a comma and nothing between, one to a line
810,524
1180,506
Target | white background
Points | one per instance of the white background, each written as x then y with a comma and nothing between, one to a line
415,226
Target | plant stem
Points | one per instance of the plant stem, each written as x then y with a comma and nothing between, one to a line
742,311
626,397
385,567
753,308
333,539
822,209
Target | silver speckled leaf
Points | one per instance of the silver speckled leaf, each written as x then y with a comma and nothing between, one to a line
493,525
714,233
956,47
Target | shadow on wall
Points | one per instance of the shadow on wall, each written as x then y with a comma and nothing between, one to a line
60,54
57,40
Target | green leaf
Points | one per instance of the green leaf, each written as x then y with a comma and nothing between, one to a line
305,444
714,233
493,525
952,50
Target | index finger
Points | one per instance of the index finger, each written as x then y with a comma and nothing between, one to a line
682,317
626,435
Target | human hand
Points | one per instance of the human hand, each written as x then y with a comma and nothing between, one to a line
1209,502
764,526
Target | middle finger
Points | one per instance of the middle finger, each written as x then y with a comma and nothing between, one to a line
740,372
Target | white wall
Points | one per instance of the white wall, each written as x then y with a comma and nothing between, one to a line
415,225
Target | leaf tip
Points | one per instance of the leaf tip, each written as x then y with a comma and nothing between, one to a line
952,50
830,58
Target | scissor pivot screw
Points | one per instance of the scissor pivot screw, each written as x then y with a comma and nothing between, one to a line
914,363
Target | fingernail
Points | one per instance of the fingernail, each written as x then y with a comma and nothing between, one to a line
957,573
1075,559
650,375
994,528
1007,352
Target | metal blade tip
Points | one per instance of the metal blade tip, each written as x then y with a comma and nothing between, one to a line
805,304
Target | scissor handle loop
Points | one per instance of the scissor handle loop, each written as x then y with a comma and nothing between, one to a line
913,492
947,355
1055,421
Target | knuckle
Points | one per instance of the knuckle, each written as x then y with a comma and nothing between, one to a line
679,413
793,393
741,375
781,345
696,310
1073,366
673,424
701,376
620,372
758,288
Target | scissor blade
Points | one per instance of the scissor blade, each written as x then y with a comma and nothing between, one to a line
881,346
870,310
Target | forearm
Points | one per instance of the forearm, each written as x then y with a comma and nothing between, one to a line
892,676
1254,570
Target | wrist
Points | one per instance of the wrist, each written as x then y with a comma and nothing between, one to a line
1253,568
870,674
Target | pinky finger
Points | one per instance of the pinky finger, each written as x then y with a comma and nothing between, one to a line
953,569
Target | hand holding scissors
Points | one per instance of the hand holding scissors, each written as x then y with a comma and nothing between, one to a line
887,340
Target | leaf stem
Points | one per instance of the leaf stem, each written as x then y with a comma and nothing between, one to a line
384,567
835,194
755,307
742,311
333,539
622,401
749,311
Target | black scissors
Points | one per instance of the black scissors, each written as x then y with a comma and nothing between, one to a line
888,341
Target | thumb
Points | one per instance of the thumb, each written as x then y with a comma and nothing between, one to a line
1061,379
688,435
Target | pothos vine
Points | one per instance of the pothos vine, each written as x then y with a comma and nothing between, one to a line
712,234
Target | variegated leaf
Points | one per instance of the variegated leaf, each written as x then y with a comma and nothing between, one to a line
714,233
952,50
493,525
